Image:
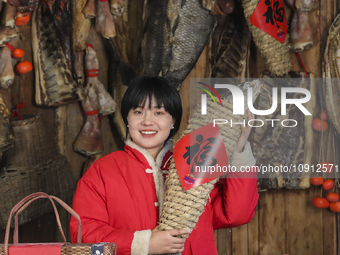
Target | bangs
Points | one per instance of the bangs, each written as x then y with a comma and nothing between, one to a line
149,89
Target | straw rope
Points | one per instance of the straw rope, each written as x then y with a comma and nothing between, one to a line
276,54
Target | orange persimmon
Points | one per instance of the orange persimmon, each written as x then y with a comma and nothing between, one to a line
327,185
332,197
335,207
21,19
23,67
320,202
18,53
316,180
319,125
323,115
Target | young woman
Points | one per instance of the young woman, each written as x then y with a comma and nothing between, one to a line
118,198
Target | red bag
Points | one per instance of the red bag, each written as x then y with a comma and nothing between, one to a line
50,248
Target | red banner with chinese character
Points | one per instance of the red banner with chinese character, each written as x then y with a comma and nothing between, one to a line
270,17
200,156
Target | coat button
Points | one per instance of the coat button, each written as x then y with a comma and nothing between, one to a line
156,204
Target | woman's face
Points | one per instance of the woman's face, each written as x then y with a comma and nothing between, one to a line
149,128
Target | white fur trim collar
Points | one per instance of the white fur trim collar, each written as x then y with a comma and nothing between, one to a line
155,164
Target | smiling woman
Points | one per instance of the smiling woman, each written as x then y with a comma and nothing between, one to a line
120,197
152,111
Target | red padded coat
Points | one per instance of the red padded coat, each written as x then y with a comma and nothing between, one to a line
117,197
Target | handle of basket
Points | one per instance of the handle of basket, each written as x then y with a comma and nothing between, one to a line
62,203
24,203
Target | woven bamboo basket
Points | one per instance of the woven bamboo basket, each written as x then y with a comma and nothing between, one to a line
6,132
33,165
182,209
276,54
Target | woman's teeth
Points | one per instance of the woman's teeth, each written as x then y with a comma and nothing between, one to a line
148,132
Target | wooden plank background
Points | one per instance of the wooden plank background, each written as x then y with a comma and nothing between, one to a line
285,221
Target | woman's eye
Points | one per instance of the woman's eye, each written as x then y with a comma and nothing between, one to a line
137,112
159,113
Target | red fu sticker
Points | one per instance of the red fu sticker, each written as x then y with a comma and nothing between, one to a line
200,157
270,17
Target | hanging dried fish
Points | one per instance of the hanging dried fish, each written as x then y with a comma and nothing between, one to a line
188,28
8,16
152,43
81,26
54,84
331,74
276,145
230,60
6,132
104,22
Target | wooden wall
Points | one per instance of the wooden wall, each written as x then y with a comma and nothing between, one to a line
285,221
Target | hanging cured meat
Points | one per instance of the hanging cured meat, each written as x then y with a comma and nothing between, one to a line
301,31
104,22
230,46
276,144
89,10
331,74
117,7
6,64
306,5
89,141
24,5
106,105
54,84
81,26
8,16
6,34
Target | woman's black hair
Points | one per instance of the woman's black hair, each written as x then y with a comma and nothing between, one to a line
143,88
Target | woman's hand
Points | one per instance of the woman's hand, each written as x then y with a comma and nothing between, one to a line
166,242
244,135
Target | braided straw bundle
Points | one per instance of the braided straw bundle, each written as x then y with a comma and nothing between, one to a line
182,209
276,54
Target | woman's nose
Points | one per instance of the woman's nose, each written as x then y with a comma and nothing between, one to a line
147,118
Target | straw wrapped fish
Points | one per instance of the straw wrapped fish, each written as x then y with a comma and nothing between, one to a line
276,54
182,209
